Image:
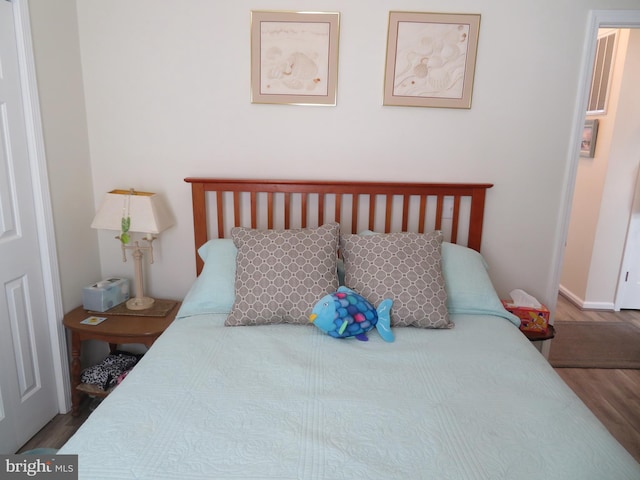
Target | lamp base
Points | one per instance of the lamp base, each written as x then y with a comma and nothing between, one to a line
140,303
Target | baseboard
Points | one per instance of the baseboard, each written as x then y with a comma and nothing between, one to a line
599,306
569,295
581,303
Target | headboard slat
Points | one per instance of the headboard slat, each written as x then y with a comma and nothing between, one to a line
355,201
220,214
372,212
456,218
297,196
388,213
270,210
439,207
287,211
254,210
303,213
423,213
405,212
320,208
236,209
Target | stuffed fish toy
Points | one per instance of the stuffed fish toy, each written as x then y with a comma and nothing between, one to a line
345,314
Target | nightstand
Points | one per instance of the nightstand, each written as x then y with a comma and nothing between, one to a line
117,329
536,336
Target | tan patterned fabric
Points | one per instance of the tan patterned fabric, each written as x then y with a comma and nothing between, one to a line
281,274
405,267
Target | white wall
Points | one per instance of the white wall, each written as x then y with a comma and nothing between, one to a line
167,96
54,29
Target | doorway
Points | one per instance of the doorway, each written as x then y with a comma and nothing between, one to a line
597,19
606,175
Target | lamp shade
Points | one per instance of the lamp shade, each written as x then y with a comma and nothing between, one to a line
148,212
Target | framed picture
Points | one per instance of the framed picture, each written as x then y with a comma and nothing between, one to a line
589,137
294,57
431,59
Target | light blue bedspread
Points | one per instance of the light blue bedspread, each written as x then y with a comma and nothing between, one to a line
288,402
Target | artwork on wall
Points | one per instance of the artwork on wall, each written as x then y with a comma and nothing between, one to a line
589,137
431,59
294,57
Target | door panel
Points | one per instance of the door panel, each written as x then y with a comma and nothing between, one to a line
628,293
27,382
22,335
7,221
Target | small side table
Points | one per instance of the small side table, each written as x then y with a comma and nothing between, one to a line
117,329
536,336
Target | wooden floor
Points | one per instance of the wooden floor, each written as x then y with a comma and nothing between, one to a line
567,311
612,395
58,431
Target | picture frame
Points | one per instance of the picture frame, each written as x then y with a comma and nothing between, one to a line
294,57
589,137
431,59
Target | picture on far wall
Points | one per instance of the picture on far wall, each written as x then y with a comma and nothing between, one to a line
589,137
431,59
294,57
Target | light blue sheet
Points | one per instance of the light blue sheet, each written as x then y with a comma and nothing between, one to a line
288,402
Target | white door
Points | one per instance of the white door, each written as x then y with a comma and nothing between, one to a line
27,382
628,293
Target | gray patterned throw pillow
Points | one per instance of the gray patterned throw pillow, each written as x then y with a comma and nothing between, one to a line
281,274
405,267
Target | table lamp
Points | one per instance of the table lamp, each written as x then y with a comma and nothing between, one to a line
130,211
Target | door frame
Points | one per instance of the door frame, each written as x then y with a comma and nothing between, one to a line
596,19
42,203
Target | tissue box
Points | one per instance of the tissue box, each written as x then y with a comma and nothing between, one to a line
105,294
532,319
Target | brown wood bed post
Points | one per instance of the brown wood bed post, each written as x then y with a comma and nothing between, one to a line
199,218
476,218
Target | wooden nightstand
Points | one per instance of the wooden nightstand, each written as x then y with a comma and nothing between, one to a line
117,329
535,336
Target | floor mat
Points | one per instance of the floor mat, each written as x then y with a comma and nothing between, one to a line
595,345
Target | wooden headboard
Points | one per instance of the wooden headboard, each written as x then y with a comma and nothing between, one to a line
457,209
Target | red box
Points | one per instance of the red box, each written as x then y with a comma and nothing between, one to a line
531,319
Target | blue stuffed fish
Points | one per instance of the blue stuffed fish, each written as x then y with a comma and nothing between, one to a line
345,314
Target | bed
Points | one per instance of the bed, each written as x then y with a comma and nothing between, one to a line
241,387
